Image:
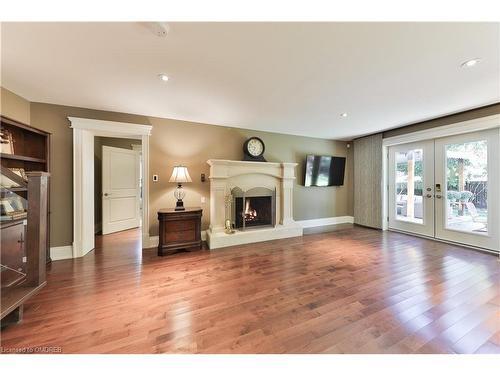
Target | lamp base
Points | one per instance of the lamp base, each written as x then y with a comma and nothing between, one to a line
179,206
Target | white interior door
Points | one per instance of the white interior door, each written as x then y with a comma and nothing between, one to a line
120,189
411,182
467,175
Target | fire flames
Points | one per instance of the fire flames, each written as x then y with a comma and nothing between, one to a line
250,213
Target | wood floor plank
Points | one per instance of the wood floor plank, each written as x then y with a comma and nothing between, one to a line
350,290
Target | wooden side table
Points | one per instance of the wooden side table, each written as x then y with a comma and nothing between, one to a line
179,230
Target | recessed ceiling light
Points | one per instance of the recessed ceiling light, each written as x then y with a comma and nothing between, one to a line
471,63
163,77
343,114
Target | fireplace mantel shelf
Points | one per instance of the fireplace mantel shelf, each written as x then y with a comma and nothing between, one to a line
228,168
248,163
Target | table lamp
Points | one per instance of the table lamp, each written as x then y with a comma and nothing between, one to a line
180,174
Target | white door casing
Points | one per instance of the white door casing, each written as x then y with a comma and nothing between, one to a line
84,131
120,189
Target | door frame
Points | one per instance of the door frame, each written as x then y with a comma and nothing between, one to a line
84,131
463,127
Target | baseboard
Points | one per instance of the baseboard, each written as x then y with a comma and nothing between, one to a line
326,221
154,240
61,252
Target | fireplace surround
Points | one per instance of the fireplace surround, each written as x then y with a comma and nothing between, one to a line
269,187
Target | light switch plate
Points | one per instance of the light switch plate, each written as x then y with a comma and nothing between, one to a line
155,178
203,199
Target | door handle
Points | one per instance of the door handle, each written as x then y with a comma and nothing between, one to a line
429,195
438,196
106,194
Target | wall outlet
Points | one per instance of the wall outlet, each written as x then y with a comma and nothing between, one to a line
203,199
155,178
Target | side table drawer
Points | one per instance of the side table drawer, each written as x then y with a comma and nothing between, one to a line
181,225
185,235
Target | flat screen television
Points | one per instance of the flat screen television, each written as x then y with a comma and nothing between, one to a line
324,170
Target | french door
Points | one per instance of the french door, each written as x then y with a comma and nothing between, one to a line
448,188
411,188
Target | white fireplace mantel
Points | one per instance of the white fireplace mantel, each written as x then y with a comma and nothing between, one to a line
227,174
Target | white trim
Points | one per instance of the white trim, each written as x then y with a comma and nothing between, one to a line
155,240
326,221
61,252
136,147
83,192
84,131
483,123
112,128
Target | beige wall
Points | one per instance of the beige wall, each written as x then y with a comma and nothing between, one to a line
178,142
14,106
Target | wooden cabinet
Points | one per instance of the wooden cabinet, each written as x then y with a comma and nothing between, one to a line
179,230
23,250
13,254
27,149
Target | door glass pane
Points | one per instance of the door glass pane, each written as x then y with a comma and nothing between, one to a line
467,187
409,186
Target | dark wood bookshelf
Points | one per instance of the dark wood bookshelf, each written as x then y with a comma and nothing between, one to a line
23,244
31,152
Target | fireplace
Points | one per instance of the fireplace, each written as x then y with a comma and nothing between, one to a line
253,208
271,184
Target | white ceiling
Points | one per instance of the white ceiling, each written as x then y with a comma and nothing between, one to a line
294,78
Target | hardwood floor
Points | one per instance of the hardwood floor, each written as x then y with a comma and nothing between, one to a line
353,290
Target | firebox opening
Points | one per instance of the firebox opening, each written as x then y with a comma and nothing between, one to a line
253,211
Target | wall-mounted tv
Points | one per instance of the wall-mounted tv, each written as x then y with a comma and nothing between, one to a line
324,171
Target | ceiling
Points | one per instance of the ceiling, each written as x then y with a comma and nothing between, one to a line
293,78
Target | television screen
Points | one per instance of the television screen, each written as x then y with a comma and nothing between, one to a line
324,171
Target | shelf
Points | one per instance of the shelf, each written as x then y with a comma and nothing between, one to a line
11,277
13,189
23,158
16,296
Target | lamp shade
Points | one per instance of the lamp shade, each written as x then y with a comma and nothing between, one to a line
180,174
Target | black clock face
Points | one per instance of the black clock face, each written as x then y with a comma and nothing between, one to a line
255,147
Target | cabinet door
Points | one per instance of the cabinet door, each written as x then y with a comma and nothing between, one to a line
13,253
